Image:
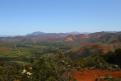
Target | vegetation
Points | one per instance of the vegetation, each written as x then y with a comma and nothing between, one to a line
54,68
54,61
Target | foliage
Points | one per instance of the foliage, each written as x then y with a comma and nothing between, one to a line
54,68
114,57
10,72
95,61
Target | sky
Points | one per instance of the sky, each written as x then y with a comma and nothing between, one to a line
20,17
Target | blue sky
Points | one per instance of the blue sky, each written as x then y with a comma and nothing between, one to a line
18,17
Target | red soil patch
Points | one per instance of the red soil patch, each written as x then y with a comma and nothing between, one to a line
91,75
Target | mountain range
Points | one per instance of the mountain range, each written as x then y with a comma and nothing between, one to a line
66,37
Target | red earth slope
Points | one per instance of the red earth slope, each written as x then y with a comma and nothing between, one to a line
91,75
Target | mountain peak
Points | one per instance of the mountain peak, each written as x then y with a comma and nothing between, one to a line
37,33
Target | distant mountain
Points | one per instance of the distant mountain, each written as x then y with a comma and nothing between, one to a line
36,33
104,37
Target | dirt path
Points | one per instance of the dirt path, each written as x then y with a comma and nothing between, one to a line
91,75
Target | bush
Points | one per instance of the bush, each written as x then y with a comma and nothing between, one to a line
52,68
95,61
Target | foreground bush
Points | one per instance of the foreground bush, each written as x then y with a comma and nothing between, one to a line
52,68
